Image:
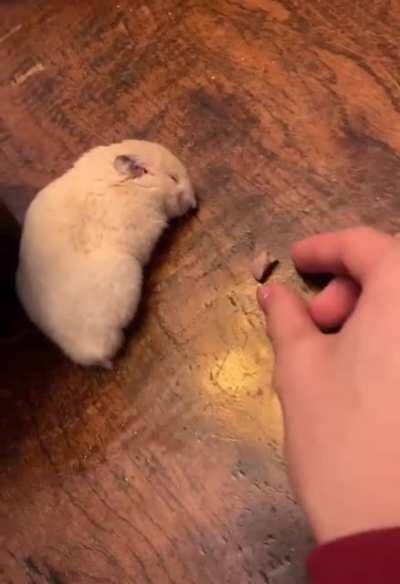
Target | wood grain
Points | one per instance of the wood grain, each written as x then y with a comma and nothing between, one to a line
170,468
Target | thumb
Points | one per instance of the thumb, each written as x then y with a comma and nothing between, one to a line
287,316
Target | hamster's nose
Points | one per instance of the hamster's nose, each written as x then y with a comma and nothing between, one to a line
191,197
191,200
187,201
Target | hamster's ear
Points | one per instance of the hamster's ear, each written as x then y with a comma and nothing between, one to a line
129,166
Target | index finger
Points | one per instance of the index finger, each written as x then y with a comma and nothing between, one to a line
350,252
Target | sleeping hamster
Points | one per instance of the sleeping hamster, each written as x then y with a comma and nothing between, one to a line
86,238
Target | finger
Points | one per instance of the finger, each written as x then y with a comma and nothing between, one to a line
353,252
332,307
287,316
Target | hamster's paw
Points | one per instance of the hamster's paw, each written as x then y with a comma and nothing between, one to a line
107,364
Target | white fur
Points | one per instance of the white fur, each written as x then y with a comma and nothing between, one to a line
86,238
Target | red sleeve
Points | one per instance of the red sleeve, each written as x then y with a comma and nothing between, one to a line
367,558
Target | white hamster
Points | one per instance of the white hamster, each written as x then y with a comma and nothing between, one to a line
86,238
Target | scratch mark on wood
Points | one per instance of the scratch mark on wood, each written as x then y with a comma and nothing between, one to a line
10,33
34,70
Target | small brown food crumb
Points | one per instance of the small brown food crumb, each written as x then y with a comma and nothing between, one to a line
263,265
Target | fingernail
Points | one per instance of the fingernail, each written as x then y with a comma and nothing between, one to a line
263,293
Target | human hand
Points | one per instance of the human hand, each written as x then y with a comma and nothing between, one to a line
340,392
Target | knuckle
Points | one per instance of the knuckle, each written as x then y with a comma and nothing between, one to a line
364,232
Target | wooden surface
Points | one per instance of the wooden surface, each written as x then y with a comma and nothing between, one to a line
170,469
